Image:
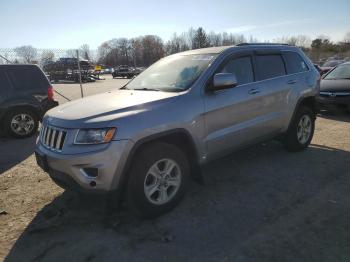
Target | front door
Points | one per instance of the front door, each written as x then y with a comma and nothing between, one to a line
230,114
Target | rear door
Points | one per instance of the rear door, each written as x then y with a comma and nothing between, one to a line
274,90
297,69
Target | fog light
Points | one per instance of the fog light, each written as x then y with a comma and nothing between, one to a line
91,171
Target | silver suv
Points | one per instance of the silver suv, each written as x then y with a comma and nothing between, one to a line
144,141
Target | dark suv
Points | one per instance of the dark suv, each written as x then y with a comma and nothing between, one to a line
25,96
123,71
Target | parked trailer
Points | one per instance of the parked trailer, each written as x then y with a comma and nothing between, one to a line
67,69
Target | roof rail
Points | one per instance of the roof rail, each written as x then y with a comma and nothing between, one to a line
244,44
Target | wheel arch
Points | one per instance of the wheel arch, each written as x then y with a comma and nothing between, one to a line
309,101
178,137
35,110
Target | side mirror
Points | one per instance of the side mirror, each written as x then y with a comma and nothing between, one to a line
223,81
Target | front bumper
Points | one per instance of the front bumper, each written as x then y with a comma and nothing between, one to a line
47,106
69,170
331,102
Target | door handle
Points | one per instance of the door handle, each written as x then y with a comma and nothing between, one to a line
253,91
291,82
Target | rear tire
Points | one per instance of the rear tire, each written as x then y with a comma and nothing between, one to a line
301,130
21,123
158,180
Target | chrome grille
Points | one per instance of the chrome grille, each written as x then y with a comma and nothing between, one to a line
52,137
335,94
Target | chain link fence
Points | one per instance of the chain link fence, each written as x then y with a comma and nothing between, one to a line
31,55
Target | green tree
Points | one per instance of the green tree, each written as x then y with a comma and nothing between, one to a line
200,39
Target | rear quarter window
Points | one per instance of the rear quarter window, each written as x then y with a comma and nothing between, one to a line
294,63
27,77
269,66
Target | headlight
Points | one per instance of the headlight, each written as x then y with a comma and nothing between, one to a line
94,136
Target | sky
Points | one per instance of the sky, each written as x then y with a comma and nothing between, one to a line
69,23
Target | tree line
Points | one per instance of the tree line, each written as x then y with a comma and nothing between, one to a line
145,50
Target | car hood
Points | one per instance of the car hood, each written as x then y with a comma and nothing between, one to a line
96,110
340,85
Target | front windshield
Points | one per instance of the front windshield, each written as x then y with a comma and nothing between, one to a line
340,72
331,63
173,73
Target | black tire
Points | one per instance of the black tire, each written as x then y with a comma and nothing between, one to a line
290,140
137,200
10,116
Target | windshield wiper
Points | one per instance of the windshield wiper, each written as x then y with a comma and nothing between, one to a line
147,89
333,78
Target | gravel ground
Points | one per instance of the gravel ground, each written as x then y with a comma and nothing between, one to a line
259,204
72,90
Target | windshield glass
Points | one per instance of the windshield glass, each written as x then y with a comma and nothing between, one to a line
340,72
332,63
173,73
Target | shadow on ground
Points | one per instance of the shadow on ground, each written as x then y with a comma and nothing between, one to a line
261,204
337,115
14,151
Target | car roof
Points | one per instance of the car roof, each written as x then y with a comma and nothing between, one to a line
11,65
220,49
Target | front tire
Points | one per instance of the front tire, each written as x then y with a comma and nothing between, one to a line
301,130
158,180
21,123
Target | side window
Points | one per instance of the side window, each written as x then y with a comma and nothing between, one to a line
24,78
242,68
269,66
294,63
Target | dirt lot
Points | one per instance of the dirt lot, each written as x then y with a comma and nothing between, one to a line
72,90
259,204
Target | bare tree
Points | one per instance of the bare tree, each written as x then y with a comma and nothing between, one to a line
124,48
144,50
214,39
152,49
27,53
347,38
303,41
299,40
189,35
85,52
72,53
102,52
47,56
176,44
137,51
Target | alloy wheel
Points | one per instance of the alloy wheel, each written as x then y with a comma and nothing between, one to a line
162,181
304,129
22,124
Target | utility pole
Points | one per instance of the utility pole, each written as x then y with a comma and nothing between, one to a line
81,86
8,61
